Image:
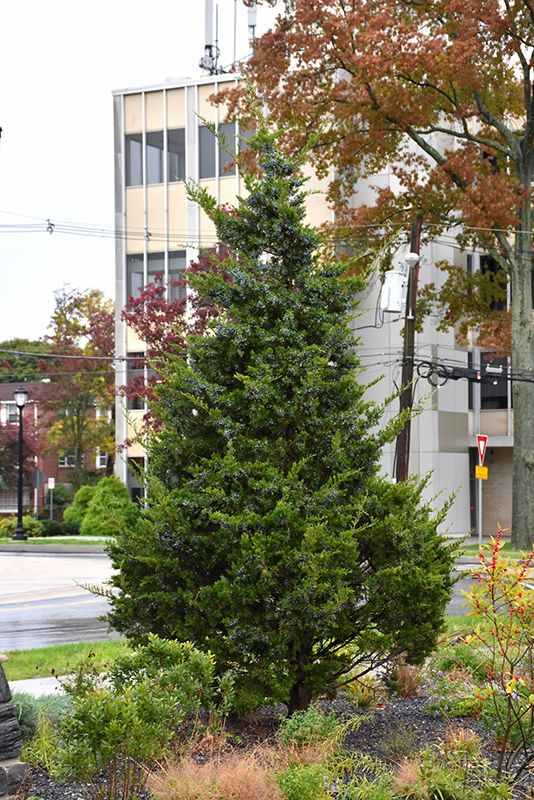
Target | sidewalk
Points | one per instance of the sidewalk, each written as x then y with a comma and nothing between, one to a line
37,686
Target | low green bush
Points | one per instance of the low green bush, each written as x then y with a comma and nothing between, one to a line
453,696
307,782
129,717
309,728
32,526
110,510
459,655
54,527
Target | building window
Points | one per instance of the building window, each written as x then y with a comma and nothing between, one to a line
101,459
210,149
494,387
68,460
155,264
227,159
12,414
154,157
134,159
206,152
134,275
176,155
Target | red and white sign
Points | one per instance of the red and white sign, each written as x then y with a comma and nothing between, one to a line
482,443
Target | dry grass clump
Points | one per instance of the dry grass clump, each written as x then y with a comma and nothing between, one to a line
230,777
408,779
407,680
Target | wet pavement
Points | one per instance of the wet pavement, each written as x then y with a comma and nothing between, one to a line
43,600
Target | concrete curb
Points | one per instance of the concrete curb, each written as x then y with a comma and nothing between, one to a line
26,547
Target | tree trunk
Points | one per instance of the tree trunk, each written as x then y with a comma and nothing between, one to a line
300,697
523,391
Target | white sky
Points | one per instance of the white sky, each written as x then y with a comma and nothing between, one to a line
59,62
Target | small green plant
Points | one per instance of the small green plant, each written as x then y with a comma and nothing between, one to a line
304,782
366,691
453,695
309,728
399,741
43,749
29,710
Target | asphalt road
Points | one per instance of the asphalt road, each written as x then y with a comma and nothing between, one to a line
43,602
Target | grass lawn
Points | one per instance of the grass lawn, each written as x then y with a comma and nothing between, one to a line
506,550
42,662
54,540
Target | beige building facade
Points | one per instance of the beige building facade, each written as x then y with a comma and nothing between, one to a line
161,142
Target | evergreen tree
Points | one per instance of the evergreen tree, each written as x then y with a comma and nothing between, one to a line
263,484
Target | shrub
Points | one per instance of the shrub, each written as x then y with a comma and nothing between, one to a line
230,777
110,510
54,527
304,782
123,721
32,526
310,727
269,537
502,603
78,508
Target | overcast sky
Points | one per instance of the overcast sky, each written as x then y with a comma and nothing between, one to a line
59,62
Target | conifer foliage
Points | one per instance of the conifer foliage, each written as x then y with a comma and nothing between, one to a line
263,486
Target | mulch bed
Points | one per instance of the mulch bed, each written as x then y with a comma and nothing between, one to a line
399,728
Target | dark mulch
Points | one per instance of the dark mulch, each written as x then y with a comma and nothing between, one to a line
398,729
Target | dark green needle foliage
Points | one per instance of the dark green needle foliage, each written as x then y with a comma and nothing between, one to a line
263,480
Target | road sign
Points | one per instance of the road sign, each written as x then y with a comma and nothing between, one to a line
482,443
37,478
481,473
51,484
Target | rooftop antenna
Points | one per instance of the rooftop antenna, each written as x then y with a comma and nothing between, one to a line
252,22
209,60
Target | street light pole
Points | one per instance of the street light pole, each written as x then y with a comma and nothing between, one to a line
21,397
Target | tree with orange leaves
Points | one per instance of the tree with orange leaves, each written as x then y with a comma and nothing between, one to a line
442,92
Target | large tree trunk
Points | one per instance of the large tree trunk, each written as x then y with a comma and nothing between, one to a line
523,391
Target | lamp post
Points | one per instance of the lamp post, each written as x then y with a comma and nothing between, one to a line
21,398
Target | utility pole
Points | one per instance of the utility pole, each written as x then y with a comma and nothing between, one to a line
402,447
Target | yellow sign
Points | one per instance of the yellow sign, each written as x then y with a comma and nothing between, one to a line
481,473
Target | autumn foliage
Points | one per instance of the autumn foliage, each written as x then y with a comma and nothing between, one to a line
419,106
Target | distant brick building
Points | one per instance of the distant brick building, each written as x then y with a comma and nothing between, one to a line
41,461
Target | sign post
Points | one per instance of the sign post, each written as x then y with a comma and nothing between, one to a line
51,486
481,474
